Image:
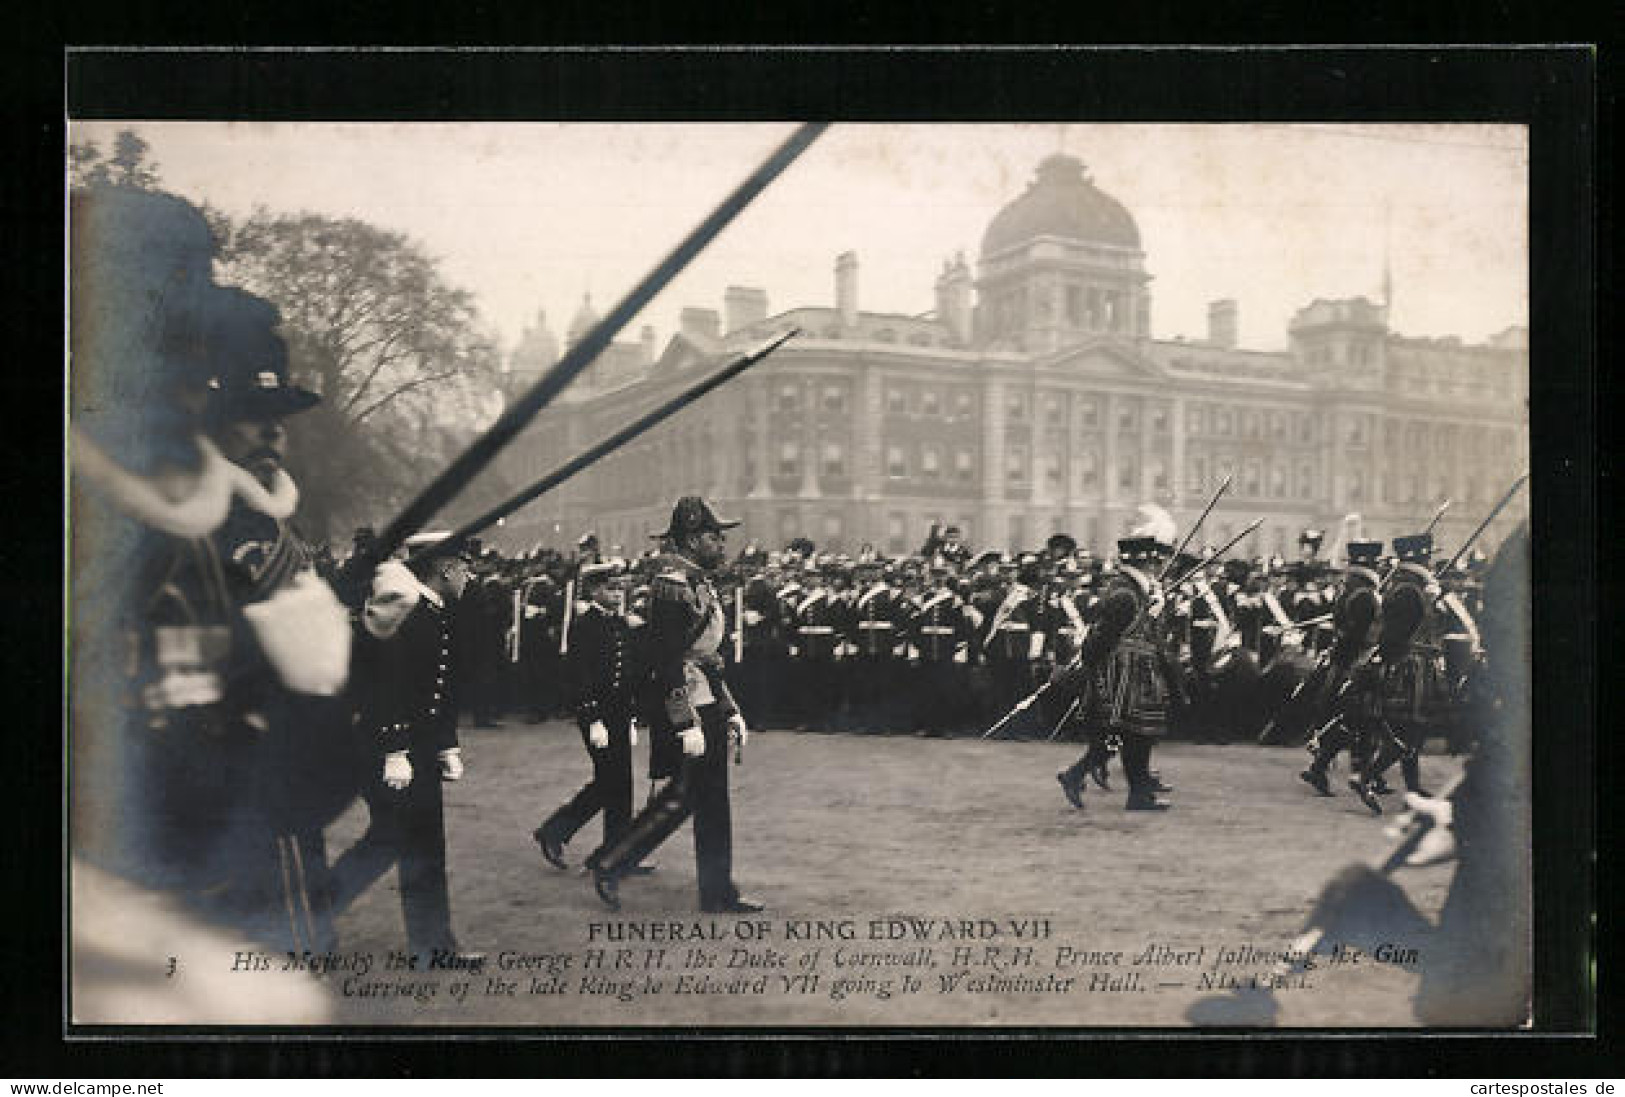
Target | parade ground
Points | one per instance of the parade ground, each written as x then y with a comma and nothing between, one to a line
904,877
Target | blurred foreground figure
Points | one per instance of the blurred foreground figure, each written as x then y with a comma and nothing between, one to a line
204,647
408,729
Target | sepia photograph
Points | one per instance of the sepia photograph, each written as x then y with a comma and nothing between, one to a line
762,575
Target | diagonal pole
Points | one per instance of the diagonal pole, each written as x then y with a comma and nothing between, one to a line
514,418
614,442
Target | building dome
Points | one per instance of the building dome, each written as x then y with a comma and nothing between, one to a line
586,319
1062,202
538,347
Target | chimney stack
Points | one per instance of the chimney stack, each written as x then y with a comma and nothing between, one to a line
743,306
701,324
646,340
846,288
1223,320
954,299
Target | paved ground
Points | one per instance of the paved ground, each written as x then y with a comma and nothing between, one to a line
840,832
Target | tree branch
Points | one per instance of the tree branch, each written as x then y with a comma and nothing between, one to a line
418,382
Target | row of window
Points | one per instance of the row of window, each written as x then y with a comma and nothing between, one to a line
1330,354
1419,436
1252,478
1252,424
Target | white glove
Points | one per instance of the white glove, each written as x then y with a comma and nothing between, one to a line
737,731
397,770
1439,843
451,764
693,741
633,731
598,735
305,633
753,617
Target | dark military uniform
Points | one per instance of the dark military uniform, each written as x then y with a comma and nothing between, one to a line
1007,646
942,629
816,618
1394,687
1124,674
875,630
1353,615
603,670
685,689
763,670
407,703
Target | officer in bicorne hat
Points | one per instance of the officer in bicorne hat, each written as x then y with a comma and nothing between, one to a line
692,714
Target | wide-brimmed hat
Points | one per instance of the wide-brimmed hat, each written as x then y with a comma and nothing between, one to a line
692,515
250,360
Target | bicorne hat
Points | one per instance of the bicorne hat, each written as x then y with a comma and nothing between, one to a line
692,515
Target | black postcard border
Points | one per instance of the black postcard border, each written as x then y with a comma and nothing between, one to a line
1554,90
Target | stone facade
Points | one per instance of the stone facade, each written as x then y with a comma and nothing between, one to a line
1034,401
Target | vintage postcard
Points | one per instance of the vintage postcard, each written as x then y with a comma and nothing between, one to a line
1095,597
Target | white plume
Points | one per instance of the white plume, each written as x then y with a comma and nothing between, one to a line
1156,522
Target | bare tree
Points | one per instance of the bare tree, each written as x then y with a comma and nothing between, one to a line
406,370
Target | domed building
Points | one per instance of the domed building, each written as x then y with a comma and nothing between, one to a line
1033,400
1060,263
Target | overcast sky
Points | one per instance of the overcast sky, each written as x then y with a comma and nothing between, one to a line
532,216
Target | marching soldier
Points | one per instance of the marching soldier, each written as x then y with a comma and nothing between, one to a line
408,722
1124,668
603,669
1353,616
1395,685
694,718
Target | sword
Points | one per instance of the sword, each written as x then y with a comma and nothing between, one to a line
1438,514
1223,487
615,441
569,613
1485,524
1021,706
1216,553
1067,716
514,418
